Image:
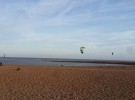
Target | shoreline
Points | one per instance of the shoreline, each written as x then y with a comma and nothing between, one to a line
128,67
121,62
67,62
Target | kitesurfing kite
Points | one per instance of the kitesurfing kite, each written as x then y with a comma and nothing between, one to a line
81,49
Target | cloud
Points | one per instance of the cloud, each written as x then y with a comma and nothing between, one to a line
99,25
63,12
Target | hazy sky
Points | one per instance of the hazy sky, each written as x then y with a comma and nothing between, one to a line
57,28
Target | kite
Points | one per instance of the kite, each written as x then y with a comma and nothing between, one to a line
81,49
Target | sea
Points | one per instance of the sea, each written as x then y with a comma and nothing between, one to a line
57,62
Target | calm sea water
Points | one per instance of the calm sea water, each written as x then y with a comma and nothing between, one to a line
48,62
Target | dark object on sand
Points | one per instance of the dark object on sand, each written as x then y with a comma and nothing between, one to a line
0,63
112,53
18,69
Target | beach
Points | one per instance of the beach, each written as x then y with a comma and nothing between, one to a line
27,82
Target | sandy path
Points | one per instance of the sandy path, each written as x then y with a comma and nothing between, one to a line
67,83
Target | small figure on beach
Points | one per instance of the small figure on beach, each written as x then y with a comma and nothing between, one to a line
112,53
4,55
0,63
81,49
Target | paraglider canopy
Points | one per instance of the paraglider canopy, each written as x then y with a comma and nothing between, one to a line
81,49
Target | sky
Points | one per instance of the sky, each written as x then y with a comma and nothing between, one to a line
58,28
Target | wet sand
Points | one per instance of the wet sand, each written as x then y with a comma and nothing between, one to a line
19,82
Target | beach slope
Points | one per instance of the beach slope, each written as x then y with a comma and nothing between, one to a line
23,82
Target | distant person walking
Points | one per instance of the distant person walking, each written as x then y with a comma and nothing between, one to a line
4,56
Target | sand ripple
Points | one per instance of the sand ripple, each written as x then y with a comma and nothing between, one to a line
66,83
